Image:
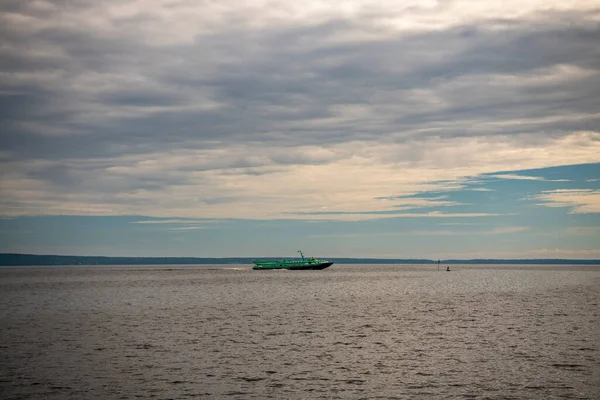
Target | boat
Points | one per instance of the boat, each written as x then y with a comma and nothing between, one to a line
304,264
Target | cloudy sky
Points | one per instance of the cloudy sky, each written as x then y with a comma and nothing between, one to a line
418,128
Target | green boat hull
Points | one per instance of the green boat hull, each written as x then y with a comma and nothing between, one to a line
304,264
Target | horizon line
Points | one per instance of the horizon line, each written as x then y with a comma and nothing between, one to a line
428,260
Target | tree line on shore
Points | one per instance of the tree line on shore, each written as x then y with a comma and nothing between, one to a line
14,259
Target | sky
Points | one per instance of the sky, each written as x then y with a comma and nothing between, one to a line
388,129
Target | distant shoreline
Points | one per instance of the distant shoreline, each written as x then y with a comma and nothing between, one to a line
14,259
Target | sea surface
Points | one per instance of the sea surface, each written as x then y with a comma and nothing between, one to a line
348,332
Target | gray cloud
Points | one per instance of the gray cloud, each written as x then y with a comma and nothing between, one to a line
76,91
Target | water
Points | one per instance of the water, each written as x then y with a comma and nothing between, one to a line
348,332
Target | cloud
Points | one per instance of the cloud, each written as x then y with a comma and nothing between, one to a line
521,177
541,253
582,201
167,221
279,109
564,253
526,178
206,183
185,228
458,223
496,231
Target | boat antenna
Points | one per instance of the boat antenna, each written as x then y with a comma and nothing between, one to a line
300,251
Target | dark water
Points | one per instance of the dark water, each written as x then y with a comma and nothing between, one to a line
349,332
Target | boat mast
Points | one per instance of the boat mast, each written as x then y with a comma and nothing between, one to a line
300,251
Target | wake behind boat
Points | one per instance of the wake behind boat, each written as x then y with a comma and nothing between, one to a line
304,264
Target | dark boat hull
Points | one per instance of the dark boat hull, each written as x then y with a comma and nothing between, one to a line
309,267
299,267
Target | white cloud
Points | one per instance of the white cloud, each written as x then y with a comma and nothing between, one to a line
166,221
170,22
527,178
580,201
518,177
564,253
185,228
458,223
496,231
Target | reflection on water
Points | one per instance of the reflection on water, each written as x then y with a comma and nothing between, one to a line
351,331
